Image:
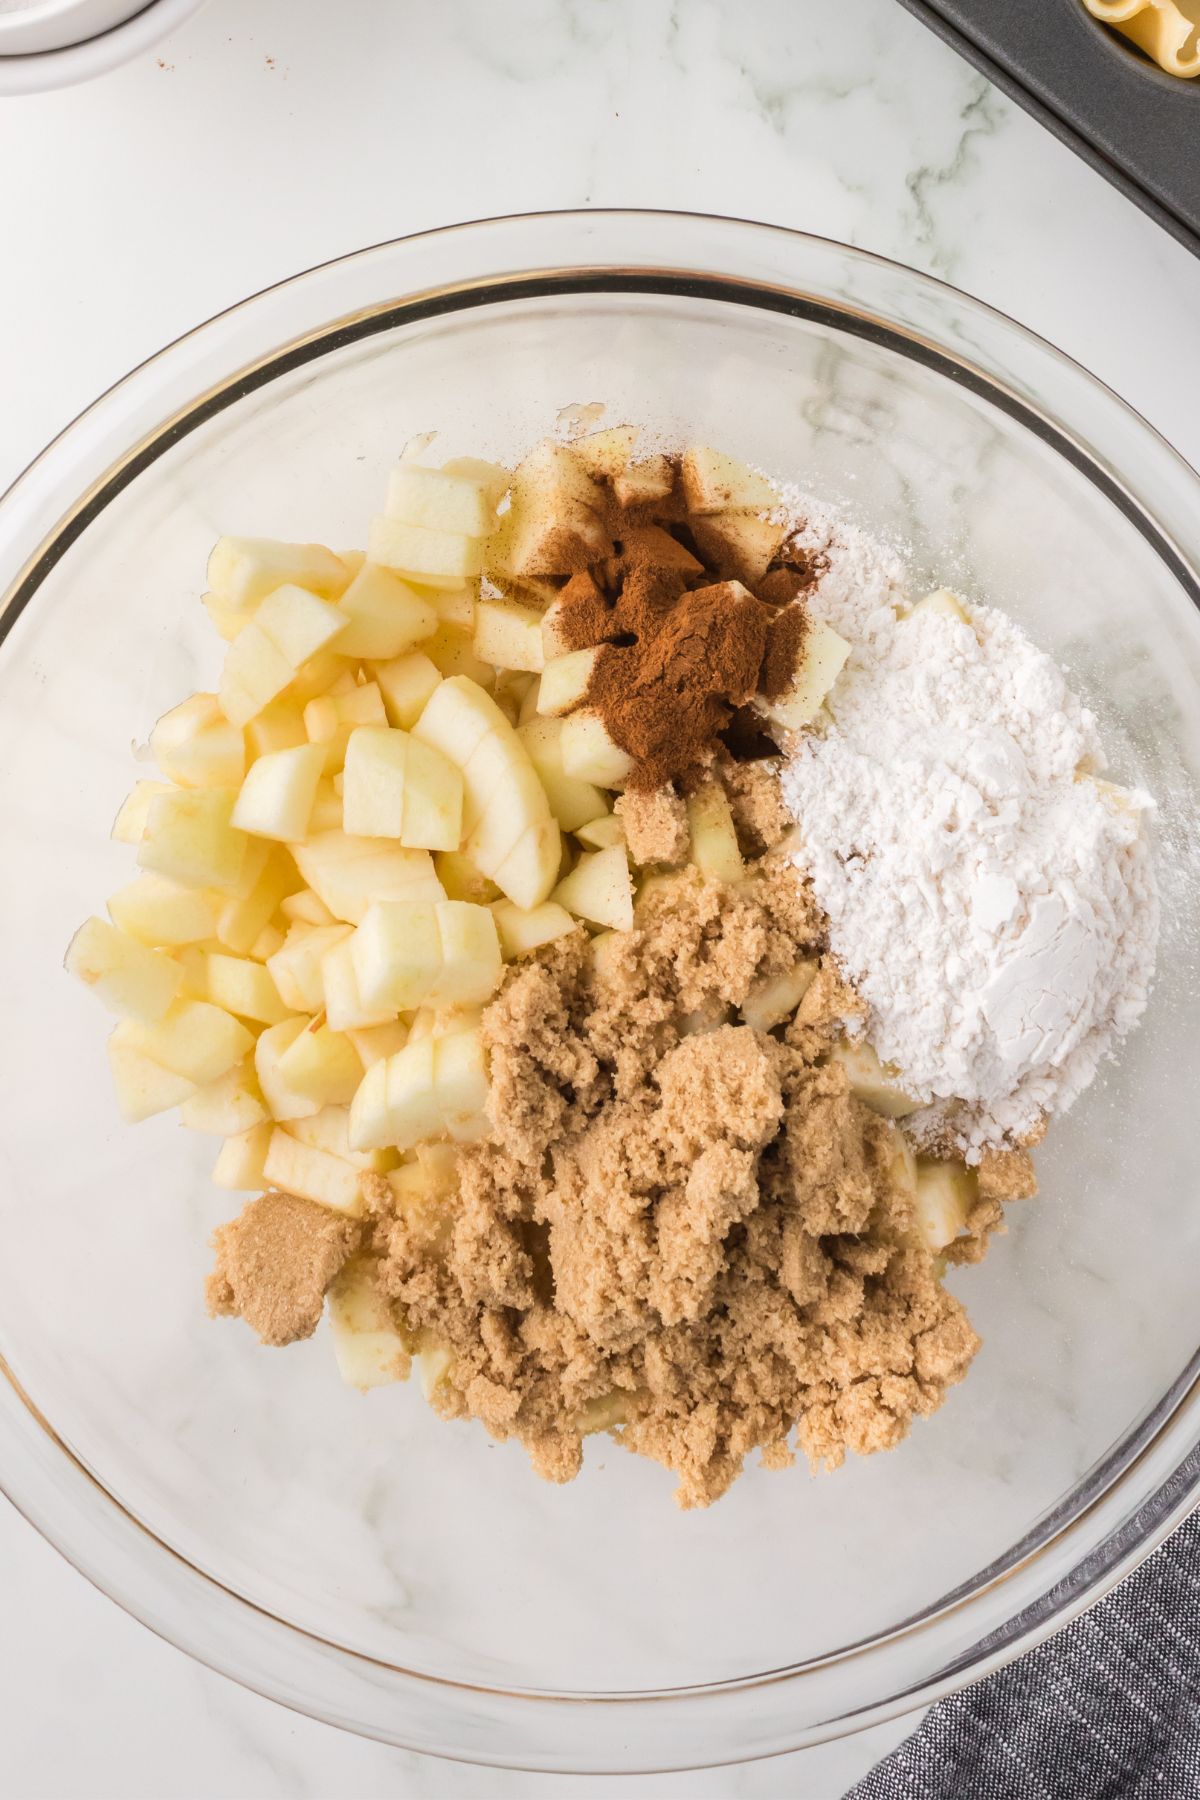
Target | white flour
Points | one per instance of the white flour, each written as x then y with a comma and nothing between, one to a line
997,913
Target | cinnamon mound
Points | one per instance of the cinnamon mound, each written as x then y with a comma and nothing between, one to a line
684,1229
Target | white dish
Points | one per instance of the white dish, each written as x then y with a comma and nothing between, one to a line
56,43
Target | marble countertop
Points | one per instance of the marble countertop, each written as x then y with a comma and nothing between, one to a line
258,141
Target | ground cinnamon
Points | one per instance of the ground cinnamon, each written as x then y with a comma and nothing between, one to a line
682,651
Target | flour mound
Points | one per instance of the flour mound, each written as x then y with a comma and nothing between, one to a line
993,904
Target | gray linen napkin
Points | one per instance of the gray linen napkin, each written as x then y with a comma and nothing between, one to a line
1107,1710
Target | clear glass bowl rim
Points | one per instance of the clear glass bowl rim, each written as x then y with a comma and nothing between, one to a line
1120,1513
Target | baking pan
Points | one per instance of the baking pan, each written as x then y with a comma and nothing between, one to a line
1134,123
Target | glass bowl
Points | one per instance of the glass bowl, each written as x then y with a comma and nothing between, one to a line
355,1557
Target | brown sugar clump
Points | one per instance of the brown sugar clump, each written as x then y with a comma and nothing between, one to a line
684,1230
274,1263
656,827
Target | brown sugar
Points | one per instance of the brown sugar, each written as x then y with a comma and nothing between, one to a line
684,1230
274,1263
655,823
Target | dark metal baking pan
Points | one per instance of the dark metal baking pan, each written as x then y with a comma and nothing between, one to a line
1137,125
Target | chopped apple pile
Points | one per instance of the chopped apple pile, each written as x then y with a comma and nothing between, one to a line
395,789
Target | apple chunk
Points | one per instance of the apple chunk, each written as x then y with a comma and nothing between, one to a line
124,975
195,745
276,798
439,500
406,683
945,1195
509,635
432,558
367,1347
874,1084
714,845
823,658
511,835
243,571
193,1039
190,837
714,482
398,786
589,753
599,889
386,615
297,1168
142,1086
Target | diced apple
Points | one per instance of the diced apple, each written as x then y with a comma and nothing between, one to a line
875,1085
434,558
396,953
573,802
738,545
386,615
714,846
509,635
471,966
521,931
331,719
461,1084
531,867
195,745
142,1086
374,1042
296,967
306,906
268,941
229,1106
511,689
124,975
130,822
555,636
226,620
565,682
463,880
243,917
367,1347
329,1130
776,998
325,673
241,1161
451,650
244,988
406,684
254,674
546,534
277,795
601,833
323,1064
243,571
283,1102
396,1102
297,1168
599,889
279,726
640,482
190,838
348,873
945,1196
714,482
346,1007
443,1021
513,838
290,628
456,607
398,786
193,1039
824,656
439,500
492,477
158,911
943,602
604,454
589,753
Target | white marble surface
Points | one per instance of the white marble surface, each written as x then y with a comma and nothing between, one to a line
262,139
